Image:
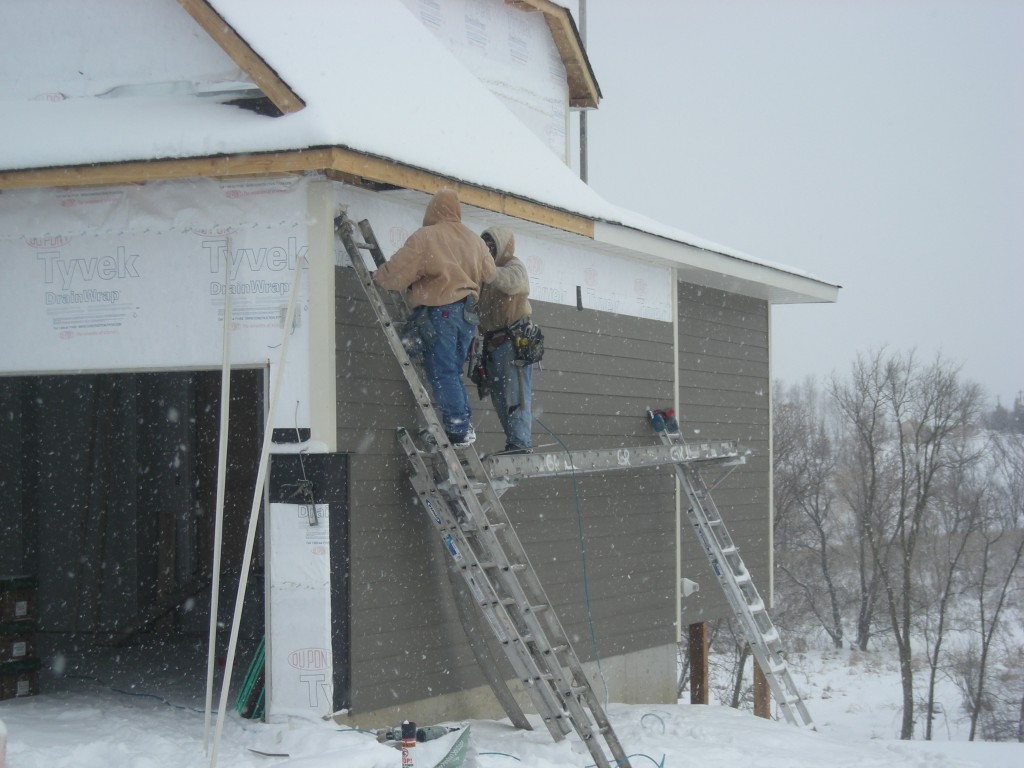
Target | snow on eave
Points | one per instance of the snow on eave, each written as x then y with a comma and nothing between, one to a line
369,115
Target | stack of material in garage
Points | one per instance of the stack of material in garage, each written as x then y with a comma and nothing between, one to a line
19,665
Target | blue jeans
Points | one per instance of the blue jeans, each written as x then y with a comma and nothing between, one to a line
442,362
511,392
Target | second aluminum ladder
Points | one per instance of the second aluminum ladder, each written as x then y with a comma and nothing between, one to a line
732,574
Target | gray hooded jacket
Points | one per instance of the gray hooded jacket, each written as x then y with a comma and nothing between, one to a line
503,301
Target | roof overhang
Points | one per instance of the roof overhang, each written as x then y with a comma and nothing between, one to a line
337,163
707,267
693,263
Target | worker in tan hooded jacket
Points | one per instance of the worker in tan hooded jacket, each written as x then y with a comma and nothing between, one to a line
441,267
504,303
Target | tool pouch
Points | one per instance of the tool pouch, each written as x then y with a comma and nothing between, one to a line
528,340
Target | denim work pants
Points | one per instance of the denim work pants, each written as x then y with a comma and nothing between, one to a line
510,401
443,361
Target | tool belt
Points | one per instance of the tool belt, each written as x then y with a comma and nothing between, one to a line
526,337
494,339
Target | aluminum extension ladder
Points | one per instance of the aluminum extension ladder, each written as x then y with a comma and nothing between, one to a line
456,491
747,606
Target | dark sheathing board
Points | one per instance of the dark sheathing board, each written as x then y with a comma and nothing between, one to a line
600,372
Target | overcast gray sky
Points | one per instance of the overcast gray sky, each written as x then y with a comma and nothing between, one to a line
878,144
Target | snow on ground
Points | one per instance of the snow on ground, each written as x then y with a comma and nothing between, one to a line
854,699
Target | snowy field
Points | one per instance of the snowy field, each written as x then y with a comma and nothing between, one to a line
853,698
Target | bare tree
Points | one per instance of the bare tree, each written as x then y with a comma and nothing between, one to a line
1001,552
804,466
960,505
864,475
902,416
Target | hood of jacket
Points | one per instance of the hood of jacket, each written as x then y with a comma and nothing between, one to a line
443,206
504,241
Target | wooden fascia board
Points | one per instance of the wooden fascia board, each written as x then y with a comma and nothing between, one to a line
584,92
336,162
137,172
382,170
261,73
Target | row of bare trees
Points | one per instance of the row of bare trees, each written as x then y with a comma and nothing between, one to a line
897,516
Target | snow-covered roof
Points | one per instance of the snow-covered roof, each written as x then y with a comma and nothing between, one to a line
139,81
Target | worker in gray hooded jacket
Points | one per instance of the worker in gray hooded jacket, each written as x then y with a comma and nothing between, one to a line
503,304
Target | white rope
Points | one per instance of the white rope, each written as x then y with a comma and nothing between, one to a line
254,512
222,462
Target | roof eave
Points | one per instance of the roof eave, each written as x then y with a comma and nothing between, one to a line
704,266
336,162
694,263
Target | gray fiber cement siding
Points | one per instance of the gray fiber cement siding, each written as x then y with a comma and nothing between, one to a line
724,395
600,373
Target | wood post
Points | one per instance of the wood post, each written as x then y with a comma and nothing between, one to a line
698,649
762,694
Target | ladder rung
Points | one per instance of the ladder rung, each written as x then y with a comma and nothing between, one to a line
491,565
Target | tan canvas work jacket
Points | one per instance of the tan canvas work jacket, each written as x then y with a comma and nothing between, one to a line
442,262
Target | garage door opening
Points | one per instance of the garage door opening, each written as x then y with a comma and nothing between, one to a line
109,488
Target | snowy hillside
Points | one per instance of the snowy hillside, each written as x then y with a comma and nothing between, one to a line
854,699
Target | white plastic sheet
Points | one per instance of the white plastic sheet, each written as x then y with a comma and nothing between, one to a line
299,663
132,277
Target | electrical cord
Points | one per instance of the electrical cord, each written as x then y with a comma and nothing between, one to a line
138,694
586,594
656,717
583,557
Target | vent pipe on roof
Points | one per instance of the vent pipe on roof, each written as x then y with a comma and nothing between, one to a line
583,112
